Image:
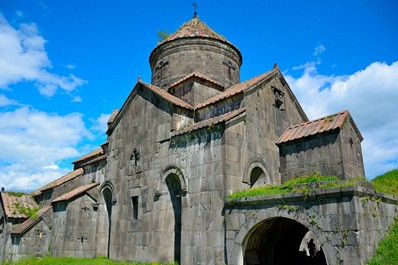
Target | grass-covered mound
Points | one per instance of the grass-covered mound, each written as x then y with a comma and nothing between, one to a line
387,183
77,261
387,251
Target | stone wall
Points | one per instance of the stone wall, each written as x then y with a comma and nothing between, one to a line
335,153
74,233
176,59
347,223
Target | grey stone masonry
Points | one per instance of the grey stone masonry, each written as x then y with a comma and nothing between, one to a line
346,223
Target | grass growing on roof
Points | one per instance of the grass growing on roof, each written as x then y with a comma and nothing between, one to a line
78,261
293,185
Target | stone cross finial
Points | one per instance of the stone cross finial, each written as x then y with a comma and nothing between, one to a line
195,13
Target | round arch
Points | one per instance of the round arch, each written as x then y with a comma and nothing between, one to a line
108,200
280,240
108,185
172,170
255,171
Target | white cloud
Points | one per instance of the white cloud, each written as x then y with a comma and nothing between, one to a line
318,50
371,97
23,58
4,101
33,142
100,125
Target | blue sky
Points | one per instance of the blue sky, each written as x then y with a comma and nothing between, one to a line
65,65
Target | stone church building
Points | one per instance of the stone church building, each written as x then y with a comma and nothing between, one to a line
157,189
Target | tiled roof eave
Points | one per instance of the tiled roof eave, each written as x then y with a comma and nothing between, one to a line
99,158
212,121
76,192
322,125
238,88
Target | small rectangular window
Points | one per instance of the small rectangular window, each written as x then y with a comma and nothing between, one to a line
134,201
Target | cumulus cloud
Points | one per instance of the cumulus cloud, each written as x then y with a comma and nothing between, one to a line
4,101
371,97
100,125
23,58
33,142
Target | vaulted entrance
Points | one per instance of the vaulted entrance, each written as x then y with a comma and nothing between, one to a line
281,241
175,191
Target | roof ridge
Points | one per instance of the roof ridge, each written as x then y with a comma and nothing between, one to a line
195,74
30,222
166,95
237,88
211,121
98,151
59,181
75,192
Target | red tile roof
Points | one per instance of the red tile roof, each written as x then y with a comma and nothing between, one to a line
166,95
25,226
198,75
325,124
92,154
15,204
76,173
212,121
194,28
235,89
75,192
113,116
99,158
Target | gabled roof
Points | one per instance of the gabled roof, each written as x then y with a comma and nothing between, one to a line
212,121
199,75
76,173
166,95
93,154
324,124
75,192
15,205
238,88
25,226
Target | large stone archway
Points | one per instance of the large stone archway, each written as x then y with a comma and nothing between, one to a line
277,241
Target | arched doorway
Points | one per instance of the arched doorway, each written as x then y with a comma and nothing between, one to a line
277,241
174,187
105,223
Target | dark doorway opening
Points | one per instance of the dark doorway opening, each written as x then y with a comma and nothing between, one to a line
277,241
174,187
108,201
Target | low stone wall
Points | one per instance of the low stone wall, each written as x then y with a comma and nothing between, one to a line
347,223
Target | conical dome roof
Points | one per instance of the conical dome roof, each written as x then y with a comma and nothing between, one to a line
195,47
194,28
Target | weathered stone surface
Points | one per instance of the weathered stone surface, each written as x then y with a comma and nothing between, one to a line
175,151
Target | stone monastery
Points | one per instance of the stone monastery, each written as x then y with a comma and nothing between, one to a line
157,189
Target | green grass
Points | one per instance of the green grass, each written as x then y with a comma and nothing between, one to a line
387,183
77,261
387,251
296,185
